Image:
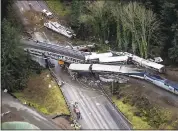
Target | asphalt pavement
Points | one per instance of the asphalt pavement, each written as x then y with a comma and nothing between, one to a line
28,114
96,110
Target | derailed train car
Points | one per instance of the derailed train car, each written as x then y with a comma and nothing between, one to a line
148,64
161,82
114,60
124,70
95,56
143,62
124,58
102,69
107,58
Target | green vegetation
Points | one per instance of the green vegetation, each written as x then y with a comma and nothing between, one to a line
136,26
143,115
58,7
146,28
20,74
127,110
45,99
16,66
141,112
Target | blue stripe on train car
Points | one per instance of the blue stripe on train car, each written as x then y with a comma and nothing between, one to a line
171,83
138,75
155,77
165,81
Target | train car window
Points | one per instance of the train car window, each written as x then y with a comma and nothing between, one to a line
166,84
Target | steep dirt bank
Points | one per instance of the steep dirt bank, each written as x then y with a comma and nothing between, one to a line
152,104
172,74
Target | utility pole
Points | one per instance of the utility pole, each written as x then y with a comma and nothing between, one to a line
112,86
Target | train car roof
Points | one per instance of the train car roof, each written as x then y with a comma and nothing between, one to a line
79,67
113,59
114,68
152,64
96,56
147,62
137,59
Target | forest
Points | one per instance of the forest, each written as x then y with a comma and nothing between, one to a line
16,66
148,28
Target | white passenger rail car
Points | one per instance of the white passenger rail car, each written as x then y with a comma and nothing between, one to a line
148,64
95,56
100,68
163,83
55,26
143,62
114,60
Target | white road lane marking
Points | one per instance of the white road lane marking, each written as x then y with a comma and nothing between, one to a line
5,113
85,88
21,9
94,97
98,104
120,114
36,118
96,113
87,118
108,117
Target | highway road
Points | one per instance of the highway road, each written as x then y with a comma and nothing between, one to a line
28,114
96,110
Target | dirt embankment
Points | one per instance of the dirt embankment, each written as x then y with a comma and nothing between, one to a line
172,74
63,123
152,104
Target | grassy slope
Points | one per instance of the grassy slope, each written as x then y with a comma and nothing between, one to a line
57,7
167,116
127,110
41,97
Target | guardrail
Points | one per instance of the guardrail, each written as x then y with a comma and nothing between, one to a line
115,105
59,84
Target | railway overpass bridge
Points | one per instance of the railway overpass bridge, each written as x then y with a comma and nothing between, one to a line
97,113
74,57
53,51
